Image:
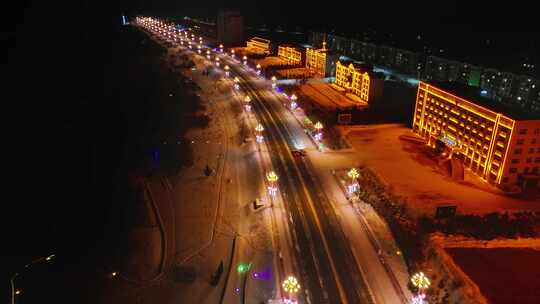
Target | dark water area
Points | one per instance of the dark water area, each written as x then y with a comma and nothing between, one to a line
89,111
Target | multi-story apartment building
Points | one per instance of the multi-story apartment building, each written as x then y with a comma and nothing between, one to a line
321,61
501,145
359,80
516,90
259,45
292,54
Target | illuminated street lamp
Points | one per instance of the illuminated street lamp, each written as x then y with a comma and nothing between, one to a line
258,69
226,68
274,79
198,49
221,48
420,281
318,127
291,286
16,291
208,54
217,61
247,100
259,128
353,175
236,83
293,99
244,59
272,178
232,54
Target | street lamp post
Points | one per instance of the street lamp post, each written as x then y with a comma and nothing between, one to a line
274,79
247,100
208,54
258,69
244,59
318,128
236,83
291,286
420,281
221,48
16,292
293,102
226,70
259,128
217,61
353,175
272,179
232,54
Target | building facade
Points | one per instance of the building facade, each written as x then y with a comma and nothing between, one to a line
259,45
359,80
293,55
502,149
230,28
321,62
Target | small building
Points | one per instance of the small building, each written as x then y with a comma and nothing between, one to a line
292,54
500,144
360,80
258,45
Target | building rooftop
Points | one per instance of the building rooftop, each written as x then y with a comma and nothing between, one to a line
359,66
473,95
262,40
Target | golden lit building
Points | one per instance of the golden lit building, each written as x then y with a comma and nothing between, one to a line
359,80
259,45
291,54
503,149
320,61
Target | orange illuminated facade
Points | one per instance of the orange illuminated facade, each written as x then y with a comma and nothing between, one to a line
503,149
291,54
259,45
359,81
352,78
319,61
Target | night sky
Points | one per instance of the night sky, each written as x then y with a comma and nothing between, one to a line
56,60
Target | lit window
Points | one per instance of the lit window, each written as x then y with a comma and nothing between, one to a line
515,161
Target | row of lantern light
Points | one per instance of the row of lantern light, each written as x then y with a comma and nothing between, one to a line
290,285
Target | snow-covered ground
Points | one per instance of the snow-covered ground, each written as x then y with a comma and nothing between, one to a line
203,215
413,175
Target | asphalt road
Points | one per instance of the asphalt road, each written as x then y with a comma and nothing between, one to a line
328,267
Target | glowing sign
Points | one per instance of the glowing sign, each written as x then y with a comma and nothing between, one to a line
449,141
